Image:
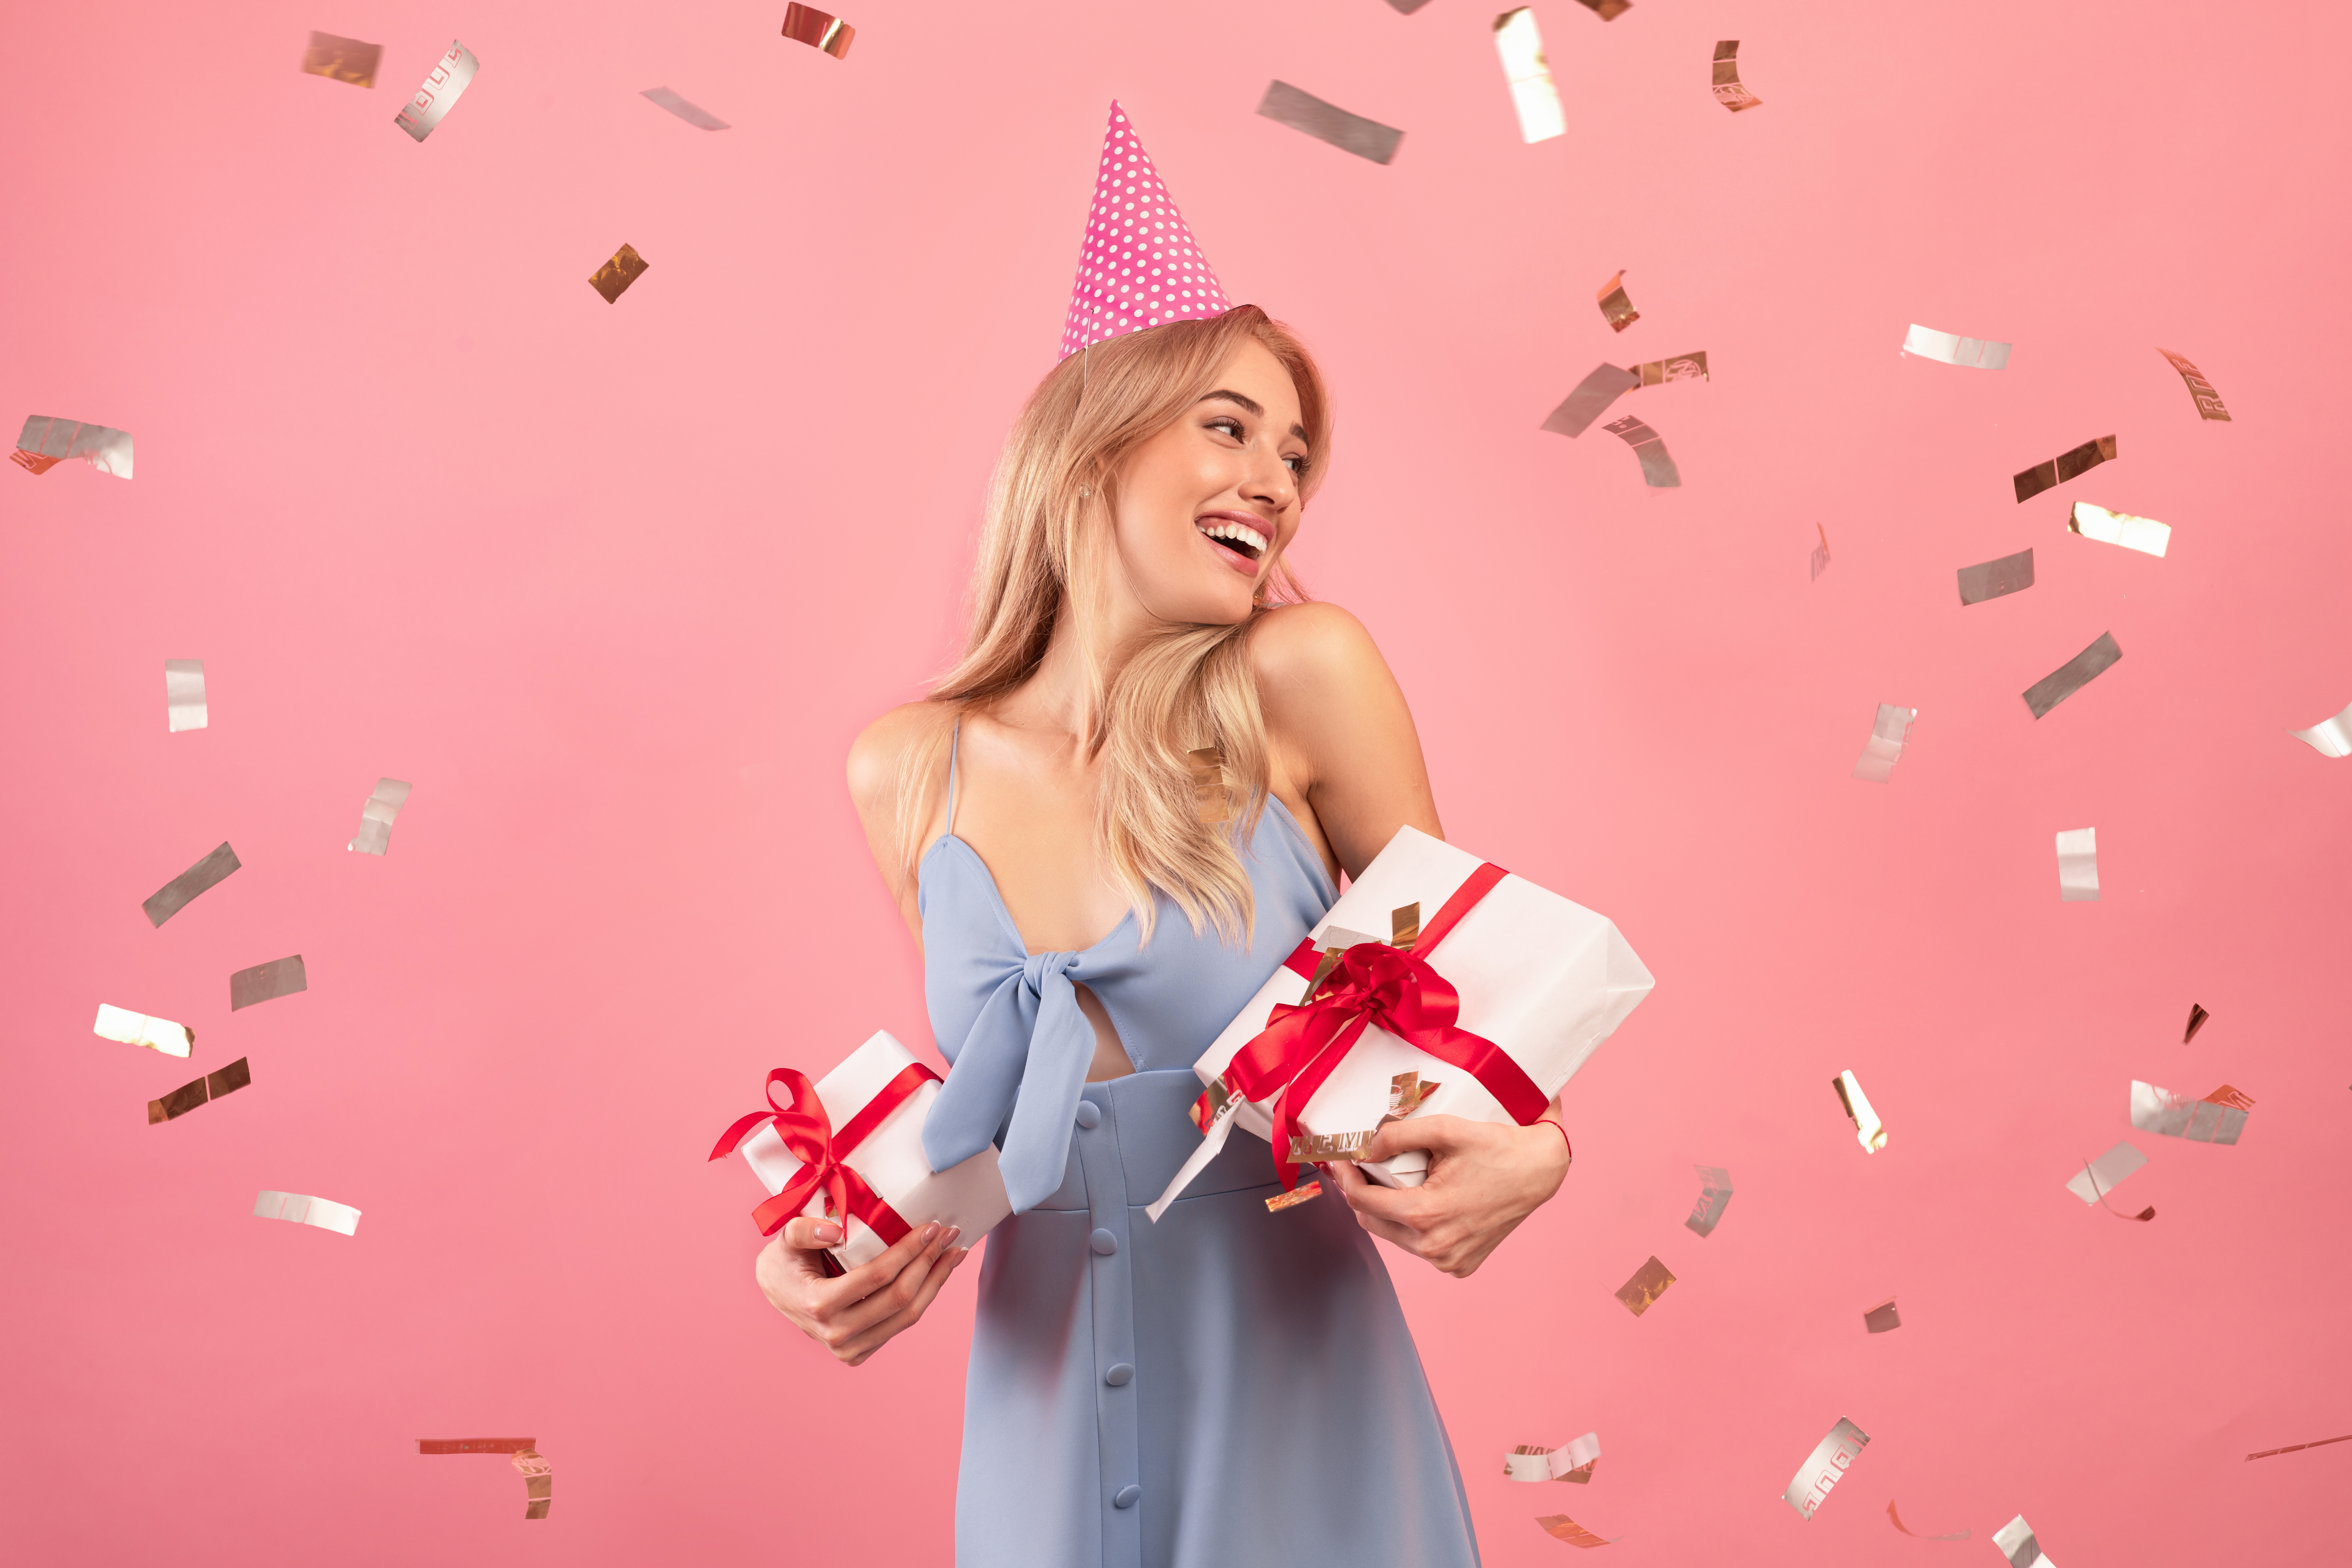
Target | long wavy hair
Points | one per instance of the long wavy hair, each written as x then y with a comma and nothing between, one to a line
1046,552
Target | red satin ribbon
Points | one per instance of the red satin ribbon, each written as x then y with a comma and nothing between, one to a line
1374,984
807,1131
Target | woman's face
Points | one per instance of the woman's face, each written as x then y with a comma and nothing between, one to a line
1206,505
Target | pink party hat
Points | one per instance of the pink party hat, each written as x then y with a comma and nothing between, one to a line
1139,266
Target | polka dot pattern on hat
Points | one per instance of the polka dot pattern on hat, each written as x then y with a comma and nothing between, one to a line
1139,266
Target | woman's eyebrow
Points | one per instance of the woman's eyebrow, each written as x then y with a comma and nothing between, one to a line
1251,405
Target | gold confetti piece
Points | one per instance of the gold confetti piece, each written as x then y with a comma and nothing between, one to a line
265,981
1608,10
199,1091
2078,864
476,1445
1560,1527
376,816
2329,736
341,59
2071,676
1885,747
2171,1115
1649,1283
2016,1541
807,25
1615,308
1406,1091
47,441
2099,1177
2144,534
1998,578
1658,470
615,276
2225,1095
1882,1318
1727,90
1820,553
1330,122
1210,800
2299,1447
1714,1197
300,1208
139,1029
2064,467
1404,924
1979,354
1867,1128
1520,44
2209,402
692,114
539,1483
184,694
1593,394
2197,1016
1324,1147
1293,1198
176,894
1682,367
1570,1462
1915,1534
452,74
1827,1466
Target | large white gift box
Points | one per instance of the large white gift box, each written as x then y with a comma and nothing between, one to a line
890,1159
1544,979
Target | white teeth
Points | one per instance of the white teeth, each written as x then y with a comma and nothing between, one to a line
1239,533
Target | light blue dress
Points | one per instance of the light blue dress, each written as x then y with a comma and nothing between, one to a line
1227,1386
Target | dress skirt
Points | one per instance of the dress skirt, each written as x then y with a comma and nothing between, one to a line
1225,1387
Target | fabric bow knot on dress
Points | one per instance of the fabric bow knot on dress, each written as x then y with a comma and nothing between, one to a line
1020,1073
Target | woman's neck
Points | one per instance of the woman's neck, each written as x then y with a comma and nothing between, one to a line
1063,694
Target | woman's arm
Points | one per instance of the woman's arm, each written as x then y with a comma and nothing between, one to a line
1345,744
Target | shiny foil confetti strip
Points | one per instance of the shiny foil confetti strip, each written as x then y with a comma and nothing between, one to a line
47,441
1868,1130
2099,1177
199,1091
1997,578
2016,1541
1649,1283
300,1208
1882,1318
538,1482
1914,1534
1682,367
692,114
184,694
139,1029
1590,398
1571,1462
1979,354
1293,1198
1727,90
264,981
2212,1120
2078,864
1885,747
2064,467
807,25
2197,1016
1322,1148
1615,308
2144,534
2071,676
2209,402
1520,44
376,816
1820,558
341,59
452,74
1658,470
2329,736
476,1445
176,894
1560,1527
1608,10
1714,1197
1330,122
1820,1474
2299,1447
614,278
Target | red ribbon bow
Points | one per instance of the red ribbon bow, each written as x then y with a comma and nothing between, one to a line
1373,983
806,1130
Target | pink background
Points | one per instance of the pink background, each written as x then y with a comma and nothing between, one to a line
614,585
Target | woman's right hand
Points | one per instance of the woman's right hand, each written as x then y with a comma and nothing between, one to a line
856,1315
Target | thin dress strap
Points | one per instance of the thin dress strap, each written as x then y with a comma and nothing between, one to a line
953,742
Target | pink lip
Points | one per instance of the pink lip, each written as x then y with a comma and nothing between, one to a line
1234,559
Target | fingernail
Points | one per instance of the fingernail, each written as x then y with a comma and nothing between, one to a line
828,1234
953,1231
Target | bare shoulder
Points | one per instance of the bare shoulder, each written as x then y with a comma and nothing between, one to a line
879,753
1314,652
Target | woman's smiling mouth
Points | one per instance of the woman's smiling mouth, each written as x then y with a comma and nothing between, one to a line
1245,542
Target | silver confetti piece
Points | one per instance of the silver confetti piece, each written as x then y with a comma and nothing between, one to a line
691,113
2144,534
2066,466
300,1208
1979,354
2071,676
1592,395
139,1029
2170,1115
175,895
1681,367
184,694
2329,736
1994,579
1714,1197
2095,1181
1885,747
2078,864
451,75
1658,470
48,441
1826,1467
263,982
2016,1541
1330,122
376,816
1520,44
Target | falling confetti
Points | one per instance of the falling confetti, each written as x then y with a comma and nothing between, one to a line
2197,1016
2078,864
1979,354
1827,1466
1714,1197
1590,398
1658,470
2299,1447
1608,10
2016,1541
1868,1130
614,278
2098,1177
1727,90
538,1482
1995,579
47,441
452,74
2209,402
692,114
1681,367
199,1091
1615,308
1649,1283
1330,122
376,816
2144,534
2064,467
341,59
536,1471
1885,747
1571,1462
1882,1318
176,894
1560,1527
2071,676
807,25
1820,558
139,1029
1520,44
184,694
2329,736
300,1208
1293,1198
1914,1535
2218,1117
264,981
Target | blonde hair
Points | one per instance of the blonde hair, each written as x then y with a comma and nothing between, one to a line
1045,551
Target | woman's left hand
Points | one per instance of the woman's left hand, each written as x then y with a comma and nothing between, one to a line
1483,1179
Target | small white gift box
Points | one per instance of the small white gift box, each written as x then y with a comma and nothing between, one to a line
890,1159
1544,979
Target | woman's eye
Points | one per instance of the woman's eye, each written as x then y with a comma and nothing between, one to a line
1296,465
1231,427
